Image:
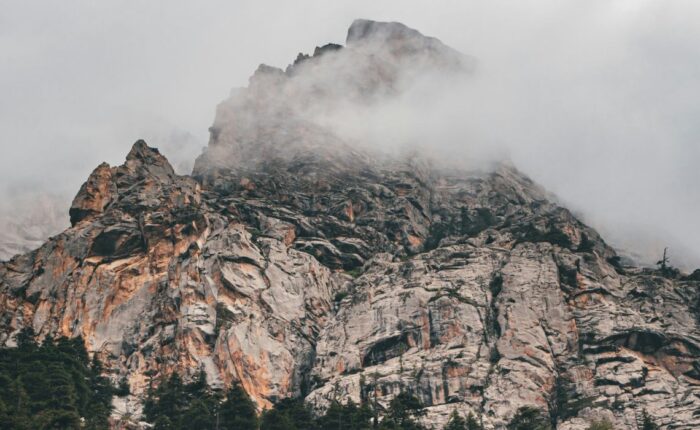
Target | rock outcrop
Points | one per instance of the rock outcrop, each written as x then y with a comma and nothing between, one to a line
300,265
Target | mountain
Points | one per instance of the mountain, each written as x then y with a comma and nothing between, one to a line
299,263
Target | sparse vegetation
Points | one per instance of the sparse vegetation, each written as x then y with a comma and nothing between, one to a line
457,422
123,388
224,317
586,244
355,272
530,418
647,422
339,296
665,268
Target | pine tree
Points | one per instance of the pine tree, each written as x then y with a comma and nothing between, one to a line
238,411
25,339
51,386
404,409
473,423
163,423
529,418
456,422
123,388
346,417
199,415
288,414
277,420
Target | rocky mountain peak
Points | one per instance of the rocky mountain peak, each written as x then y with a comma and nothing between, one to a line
363,30
284,115
145,157
405,44
135,185
299,265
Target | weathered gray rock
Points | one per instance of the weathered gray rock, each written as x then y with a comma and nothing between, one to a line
299,265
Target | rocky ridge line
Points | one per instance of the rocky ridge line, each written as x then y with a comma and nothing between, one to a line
298,265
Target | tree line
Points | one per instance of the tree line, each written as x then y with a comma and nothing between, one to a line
177,406
55,385
52,386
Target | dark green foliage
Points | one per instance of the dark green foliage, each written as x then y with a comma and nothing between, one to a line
277,420
52,386
346,417
175,405
473,423
355,273
457,422
586,244
339,296
529,418
178,406
648,423
123,388
288,414
695,276
238,411
665,268
200,415
403,411
293,414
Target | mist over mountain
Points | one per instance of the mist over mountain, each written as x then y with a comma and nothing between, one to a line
353,236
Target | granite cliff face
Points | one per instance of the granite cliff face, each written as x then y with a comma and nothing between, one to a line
300,265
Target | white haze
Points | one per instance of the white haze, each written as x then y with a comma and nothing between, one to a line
596,100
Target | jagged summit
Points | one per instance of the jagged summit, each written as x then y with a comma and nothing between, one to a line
403,42
133,185
362,30
300,266
284,114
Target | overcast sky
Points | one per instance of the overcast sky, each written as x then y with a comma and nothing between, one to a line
597,100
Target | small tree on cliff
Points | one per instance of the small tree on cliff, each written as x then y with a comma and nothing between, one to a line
664,266
647,422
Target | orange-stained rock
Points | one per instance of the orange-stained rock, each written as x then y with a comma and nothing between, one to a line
298,264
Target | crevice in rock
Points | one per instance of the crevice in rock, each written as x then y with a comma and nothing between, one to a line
386,349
